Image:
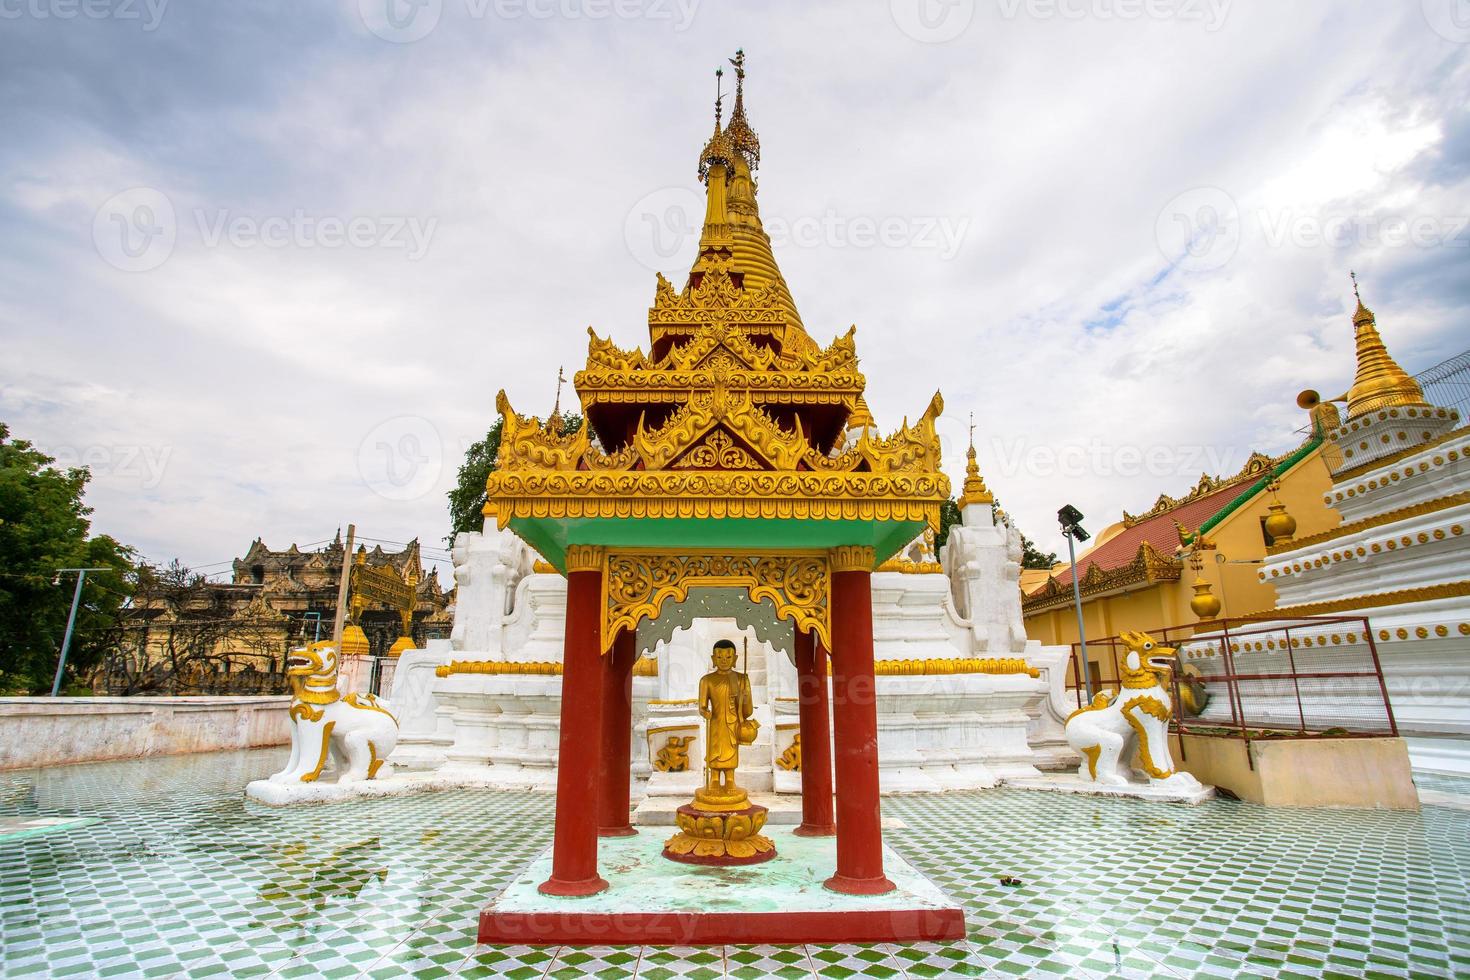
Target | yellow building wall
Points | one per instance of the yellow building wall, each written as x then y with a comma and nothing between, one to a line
1238,540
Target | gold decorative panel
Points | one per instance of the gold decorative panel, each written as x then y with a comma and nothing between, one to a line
636,583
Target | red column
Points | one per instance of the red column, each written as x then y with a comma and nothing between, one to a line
617,737
816,738
574,849
855,722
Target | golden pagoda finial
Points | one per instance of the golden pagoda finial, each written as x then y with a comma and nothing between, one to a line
1379,381
561,378
718,151
975,491
742,138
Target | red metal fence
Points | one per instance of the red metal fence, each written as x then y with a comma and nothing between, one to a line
1253,678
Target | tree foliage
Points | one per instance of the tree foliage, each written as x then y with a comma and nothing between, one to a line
44,527
467,498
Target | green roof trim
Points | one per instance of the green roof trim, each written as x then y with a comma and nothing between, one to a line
1261,484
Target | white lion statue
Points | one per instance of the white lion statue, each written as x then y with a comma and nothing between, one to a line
1106,731
358,729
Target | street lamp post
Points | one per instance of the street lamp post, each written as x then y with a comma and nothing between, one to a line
1071,520
71,621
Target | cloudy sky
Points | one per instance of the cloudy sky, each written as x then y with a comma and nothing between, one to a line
264,266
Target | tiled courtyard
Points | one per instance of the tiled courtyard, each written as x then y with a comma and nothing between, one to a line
159,868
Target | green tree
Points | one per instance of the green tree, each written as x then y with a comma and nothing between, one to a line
467,498
1031,556
44,527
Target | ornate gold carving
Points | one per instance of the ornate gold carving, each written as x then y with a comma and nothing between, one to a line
909,567
717,494
956,665
1258,465
719,834
542,668
674,756
584,558
543,567
717,452
790,760
1147,568
636,583
853,558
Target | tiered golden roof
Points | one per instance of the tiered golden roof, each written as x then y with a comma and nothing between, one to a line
734,412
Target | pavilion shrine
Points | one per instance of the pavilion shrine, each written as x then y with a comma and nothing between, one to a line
737,453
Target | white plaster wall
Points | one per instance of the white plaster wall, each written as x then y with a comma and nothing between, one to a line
52,731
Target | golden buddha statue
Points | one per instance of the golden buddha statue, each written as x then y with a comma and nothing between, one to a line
722,826
725,706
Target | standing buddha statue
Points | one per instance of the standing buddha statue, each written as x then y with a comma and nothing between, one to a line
725,706
722,826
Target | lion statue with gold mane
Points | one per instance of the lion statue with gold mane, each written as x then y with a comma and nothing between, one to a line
357,729
1108,730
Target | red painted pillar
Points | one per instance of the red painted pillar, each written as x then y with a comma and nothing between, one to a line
816,738
855,723
574,849
617,737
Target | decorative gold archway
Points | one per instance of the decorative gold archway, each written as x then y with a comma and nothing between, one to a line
636,582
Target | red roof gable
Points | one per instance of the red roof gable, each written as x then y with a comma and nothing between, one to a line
1159,532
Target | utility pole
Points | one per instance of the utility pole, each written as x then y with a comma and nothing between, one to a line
343,590
71,621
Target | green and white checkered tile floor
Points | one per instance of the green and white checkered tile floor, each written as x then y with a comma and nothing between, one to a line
176,875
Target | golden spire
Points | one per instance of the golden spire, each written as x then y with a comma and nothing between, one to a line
975,491
742,137
861,417
732,230
1379,381
717,152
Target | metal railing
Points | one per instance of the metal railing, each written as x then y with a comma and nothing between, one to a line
1251,679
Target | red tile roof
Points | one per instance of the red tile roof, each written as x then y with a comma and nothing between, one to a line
1158,531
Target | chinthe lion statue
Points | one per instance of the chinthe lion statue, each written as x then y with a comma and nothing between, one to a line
358,729
1107,731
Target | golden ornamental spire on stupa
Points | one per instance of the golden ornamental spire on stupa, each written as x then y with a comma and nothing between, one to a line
975,491
1379,381
732,236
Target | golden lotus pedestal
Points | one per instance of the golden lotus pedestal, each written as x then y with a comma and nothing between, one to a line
722,834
